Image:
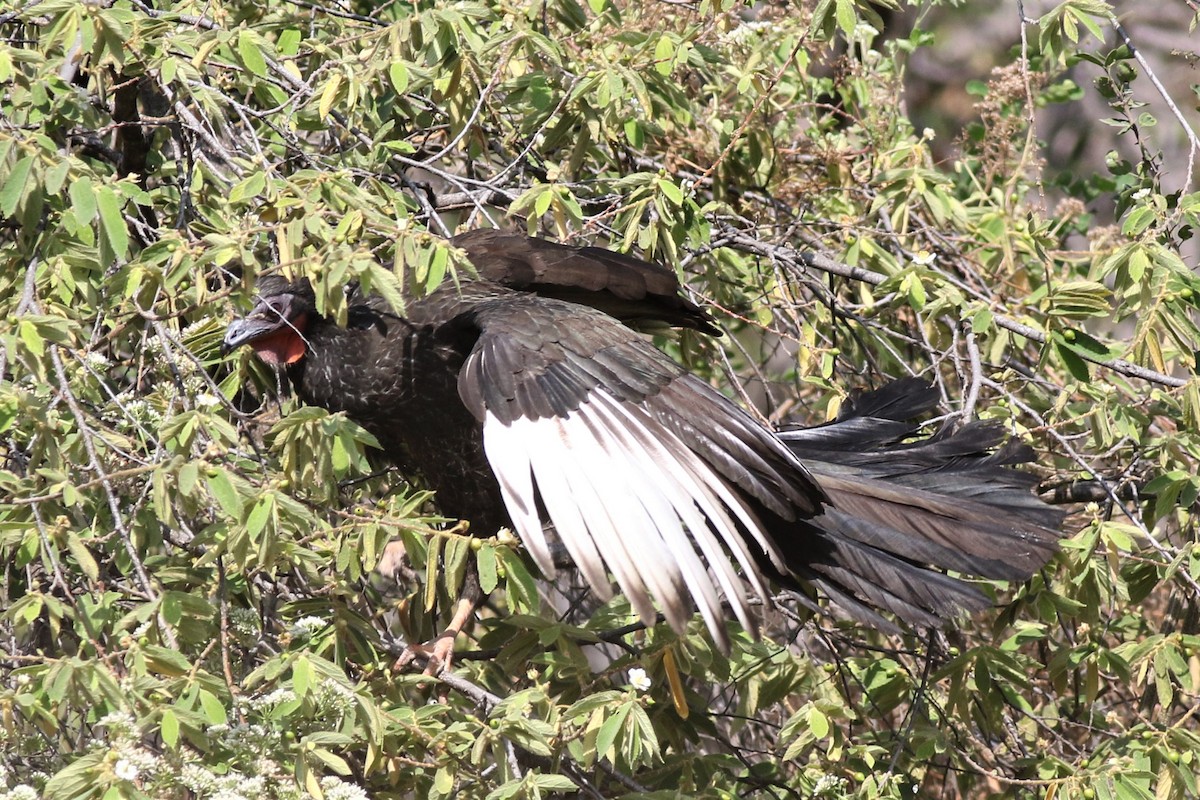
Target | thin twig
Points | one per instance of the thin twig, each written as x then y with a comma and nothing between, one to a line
1193,141
825,263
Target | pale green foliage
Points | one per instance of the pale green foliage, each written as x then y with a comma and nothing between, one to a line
188,601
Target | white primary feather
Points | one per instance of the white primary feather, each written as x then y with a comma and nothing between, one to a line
620,488
598,541
637,538
689,481
510,462
671,504
551,475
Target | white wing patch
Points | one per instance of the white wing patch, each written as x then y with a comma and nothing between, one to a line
627,496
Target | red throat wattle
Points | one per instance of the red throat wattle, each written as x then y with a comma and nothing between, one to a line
284,346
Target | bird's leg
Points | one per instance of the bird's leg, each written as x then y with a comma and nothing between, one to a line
439,653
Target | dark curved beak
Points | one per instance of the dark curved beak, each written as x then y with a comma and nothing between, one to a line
267,316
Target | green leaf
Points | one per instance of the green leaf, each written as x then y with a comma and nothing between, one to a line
83,200
83,557
223,492
56,176
329,94
847,17
189,474
485,560
334,762
112,221
169,728
214,710
302,676
14,186
432,557
454,560
1076,366
664,53
672,192
398,75
260,515
542,203
522,589
443,781
251,186
818,723
250,52
609,732
165,661
554,783
8,411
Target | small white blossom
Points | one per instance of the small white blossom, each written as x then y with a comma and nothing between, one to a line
275,698
255,786
141,762
750,28
207,400
229,794
639,680
199,324
198,779
306,627
830,785
244,621
864,31
119,724
1140,193
96,360
125,770
337,789
923,258
21,791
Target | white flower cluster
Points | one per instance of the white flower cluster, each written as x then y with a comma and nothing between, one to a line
126,770
246,737
120,725
96,361
830,786
267,779
244,621
337,789
272,699
132,413
306,627
193,327
334,701
22,791
137,764
752,28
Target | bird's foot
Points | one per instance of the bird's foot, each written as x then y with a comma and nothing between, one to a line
437,656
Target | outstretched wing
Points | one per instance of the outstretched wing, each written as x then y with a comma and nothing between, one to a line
639,293
644,471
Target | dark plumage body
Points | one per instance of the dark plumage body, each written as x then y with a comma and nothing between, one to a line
523,398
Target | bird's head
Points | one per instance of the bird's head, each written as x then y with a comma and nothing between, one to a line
276,326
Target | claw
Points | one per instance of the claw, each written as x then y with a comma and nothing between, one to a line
438,655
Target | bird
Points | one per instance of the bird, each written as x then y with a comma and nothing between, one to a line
529,397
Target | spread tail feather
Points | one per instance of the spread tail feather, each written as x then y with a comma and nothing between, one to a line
902,512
